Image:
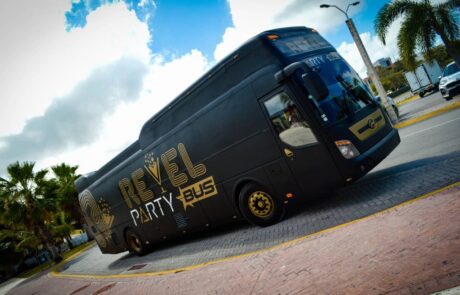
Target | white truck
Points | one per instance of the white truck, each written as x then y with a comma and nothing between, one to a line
425,78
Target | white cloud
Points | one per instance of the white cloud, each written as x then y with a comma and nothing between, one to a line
41,60
162,84
249,19
374,48
144,3
77,118
252,17
46,70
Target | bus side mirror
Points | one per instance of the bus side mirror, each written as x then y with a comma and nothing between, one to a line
315,85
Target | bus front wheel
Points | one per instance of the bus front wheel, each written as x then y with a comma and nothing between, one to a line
135,242
259,206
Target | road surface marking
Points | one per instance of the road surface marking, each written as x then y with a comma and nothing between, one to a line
427,116
429,128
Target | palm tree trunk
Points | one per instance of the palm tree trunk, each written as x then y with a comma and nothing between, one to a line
451,50
49,243
36,256
69,241
450,46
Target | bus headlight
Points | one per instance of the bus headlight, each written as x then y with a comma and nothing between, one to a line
347,149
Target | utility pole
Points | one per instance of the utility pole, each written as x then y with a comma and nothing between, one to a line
367,61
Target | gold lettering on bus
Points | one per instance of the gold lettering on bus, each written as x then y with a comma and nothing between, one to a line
198,191
144,217
152,210
145,194
140,200
194,171
127,190
152,165
172,168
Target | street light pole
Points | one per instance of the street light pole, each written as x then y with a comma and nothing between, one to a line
367,61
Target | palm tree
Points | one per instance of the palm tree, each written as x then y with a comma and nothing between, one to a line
65,176
22,240
28,202
71,215
62,228
12,250
422,21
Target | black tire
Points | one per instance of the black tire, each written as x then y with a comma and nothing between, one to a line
259,206
421,93
135,243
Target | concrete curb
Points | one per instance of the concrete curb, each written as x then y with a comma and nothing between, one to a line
73,256
409,99
452,291
428,115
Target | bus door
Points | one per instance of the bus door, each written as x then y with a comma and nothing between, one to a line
308,158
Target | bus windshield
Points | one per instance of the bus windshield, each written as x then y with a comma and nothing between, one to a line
347,92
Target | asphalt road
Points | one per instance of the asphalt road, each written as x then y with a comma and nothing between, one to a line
413,108
427,159
434,137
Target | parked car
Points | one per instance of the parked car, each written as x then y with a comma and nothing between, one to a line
450,81
392,103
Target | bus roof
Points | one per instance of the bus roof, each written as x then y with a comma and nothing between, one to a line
245,49
262,56
221,66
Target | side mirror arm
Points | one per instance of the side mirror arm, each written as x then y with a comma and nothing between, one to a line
313,82
285,73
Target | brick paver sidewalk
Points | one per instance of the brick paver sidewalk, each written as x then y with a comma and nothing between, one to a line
412,249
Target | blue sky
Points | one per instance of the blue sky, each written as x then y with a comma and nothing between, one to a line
364,22
176,26
181,25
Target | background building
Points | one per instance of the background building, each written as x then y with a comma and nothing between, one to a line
383,62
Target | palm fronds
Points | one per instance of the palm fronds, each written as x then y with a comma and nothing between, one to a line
421,23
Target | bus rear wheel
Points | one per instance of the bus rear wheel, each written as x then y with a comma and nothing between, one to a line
258,206
135,243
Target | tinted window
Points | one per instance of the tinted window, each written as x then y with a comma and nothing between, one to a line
450,69
288,122
347,92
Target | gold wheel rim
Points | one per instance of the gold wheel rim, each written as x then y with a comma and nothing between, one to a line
260,204
135,243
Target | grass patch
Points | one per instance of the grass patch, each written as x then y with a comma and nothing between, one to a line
76,249
35,270
47,265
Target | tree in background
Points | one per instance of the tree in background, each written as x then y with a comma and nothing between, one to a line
65,176
15,245
439,53
392,77
422,22
28,202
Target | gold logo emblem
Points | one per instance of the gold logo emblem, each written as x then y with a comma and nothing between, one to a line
371,123
197,192
105,208
98,215
152,165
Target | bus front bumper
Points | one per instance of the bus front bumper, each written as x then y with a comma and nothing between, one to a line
372,157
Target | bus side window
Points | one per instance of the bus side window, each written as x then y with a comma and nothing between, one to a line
288,122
